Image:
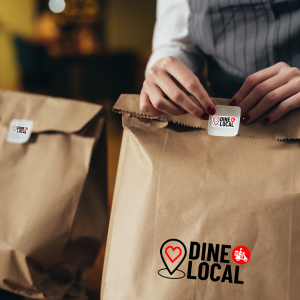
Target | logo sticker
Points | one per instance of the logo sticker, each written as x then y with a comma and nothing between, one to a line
225,122
173,253
19,131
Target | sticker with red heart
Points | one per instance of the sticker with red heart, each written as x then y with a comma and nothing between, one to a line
172,253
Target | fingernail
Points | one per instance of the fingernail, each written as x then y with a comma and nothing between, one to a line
205,116
266,120
245,118
211,110
232,102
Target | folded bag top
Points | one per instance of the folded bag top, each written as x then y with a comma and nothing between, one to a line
288,127
70,116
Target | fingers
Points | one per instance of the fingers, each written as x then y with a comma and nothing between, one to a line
158,102
178,96
190,82
266,88
283,108
146,106
172,78
255,79
272,98
262,89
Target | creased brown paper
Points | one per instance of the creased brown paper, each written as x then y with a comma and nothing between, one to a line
177,182
53,195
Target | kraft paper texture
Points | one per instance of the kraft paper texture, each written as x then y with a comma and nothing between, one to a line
53,196
176,182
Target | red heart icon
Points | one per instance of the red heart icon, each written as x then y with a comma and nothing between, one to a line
166,251
216,120
26,128
232,119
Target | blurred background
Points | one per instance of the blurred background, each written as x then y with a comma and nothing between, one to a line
89,50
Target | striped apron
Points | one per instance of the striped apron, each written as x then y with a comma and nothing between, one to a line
241,37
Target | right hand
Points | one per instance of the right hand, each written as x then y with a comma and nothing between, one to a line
171,77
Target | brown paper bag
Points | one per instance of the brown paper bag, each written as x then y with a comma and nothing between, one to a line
53,195
202,217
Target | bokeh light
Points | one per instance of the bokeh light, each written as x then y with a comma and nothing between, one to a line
57,6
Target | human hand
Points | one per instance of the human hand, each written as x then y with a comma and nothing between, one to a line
278,84
171,77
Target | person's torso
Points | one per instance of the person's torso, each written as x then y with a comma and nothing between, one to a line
241,37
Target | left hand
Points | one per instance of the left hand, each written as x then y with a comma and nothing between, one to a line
278,84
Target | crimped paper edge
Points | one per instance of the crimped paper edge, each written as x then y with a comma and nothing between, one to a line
145,116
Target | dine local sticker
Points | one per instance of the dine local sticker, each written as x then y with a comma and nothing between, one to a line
19,131
225,122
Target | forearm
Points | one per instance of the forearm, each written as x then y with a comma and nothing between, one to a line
194,62
171,37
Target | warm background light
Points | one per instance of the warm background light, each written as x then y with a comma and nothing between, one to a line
57,6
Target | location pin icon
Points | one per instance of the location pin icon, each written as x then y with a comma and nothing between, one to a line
173,253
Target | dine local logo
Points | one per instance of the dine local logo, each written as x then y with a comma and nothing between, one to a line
19,129
223,121
215,263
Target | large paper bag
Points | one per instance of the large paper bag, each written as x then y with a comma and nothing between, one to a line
53,195
198,217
